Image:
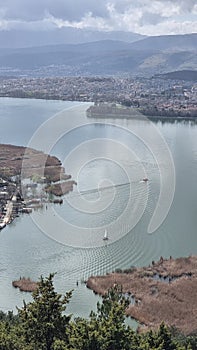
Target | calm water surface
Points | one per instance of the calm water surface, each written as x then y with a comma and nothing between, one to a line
26,251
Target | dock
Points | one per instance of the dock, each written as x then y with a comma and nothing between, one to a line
7,218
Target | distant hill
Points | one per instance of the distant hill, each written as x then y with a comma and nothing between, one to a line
66,35
190,75
102,58
167,42
147,57
164,62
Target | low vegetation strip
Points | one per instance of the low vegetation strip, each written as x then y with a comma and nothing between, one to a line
25,284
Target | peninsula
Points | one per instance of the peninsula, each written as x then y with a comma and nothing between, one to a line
34,163
118,111
43,174
112,110
164,291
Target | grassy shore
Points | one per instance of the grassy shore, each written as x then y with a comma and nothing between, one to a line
32,163
164,291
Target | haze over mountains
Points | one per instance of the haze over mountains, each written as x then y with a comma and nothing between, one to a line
145,57
29,38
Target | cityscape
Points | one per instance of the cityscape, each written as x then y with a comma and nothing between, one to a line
156,96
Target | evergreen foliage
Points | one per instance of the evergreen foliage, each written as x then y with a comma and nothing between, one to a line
43,325
42,320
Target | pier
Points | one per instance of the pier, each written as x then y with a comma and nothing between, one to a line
7,218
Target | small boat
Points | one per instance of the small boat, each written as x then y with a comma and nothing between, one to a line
105,237
145,179
2,225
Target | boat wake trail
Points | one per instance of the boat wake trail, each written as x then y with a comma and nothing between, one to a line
100,189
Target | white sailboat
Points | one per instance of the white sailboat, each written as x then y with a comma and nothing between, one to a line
105,237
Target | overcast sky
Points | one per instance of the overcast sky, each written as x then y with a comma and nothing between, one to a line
150,17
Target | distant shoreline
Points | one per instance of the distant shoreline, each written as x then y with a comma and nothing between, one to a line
114,111
152,114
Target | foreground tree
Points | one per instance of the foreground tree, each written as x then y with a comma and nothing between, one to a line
160,340
43,325
164,338
42,320
106,329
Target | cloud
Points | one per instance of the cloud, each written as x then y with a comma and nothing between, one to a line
142,16
87,21
72,10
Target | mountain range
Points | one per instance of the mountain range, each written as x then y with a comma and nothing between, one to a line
14,38
144,57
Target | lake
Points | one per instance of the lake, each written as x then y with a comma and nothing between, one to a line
108,161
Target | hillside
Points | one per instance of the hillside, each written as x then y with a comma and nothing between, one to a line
190,75
153,55
168,42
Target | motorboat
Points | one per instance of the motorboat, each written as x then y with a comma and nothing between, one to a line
2,225
105,237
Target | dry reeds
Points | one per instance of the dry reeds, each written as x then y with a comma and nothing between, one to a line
172,300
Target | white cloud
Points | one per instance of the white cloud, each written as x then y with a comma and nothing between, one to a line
195,9
151,18
154,17
3,24
167,9
87,21
169,27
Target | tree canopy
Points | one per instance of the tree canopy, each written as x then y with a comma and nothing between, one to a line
42,324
